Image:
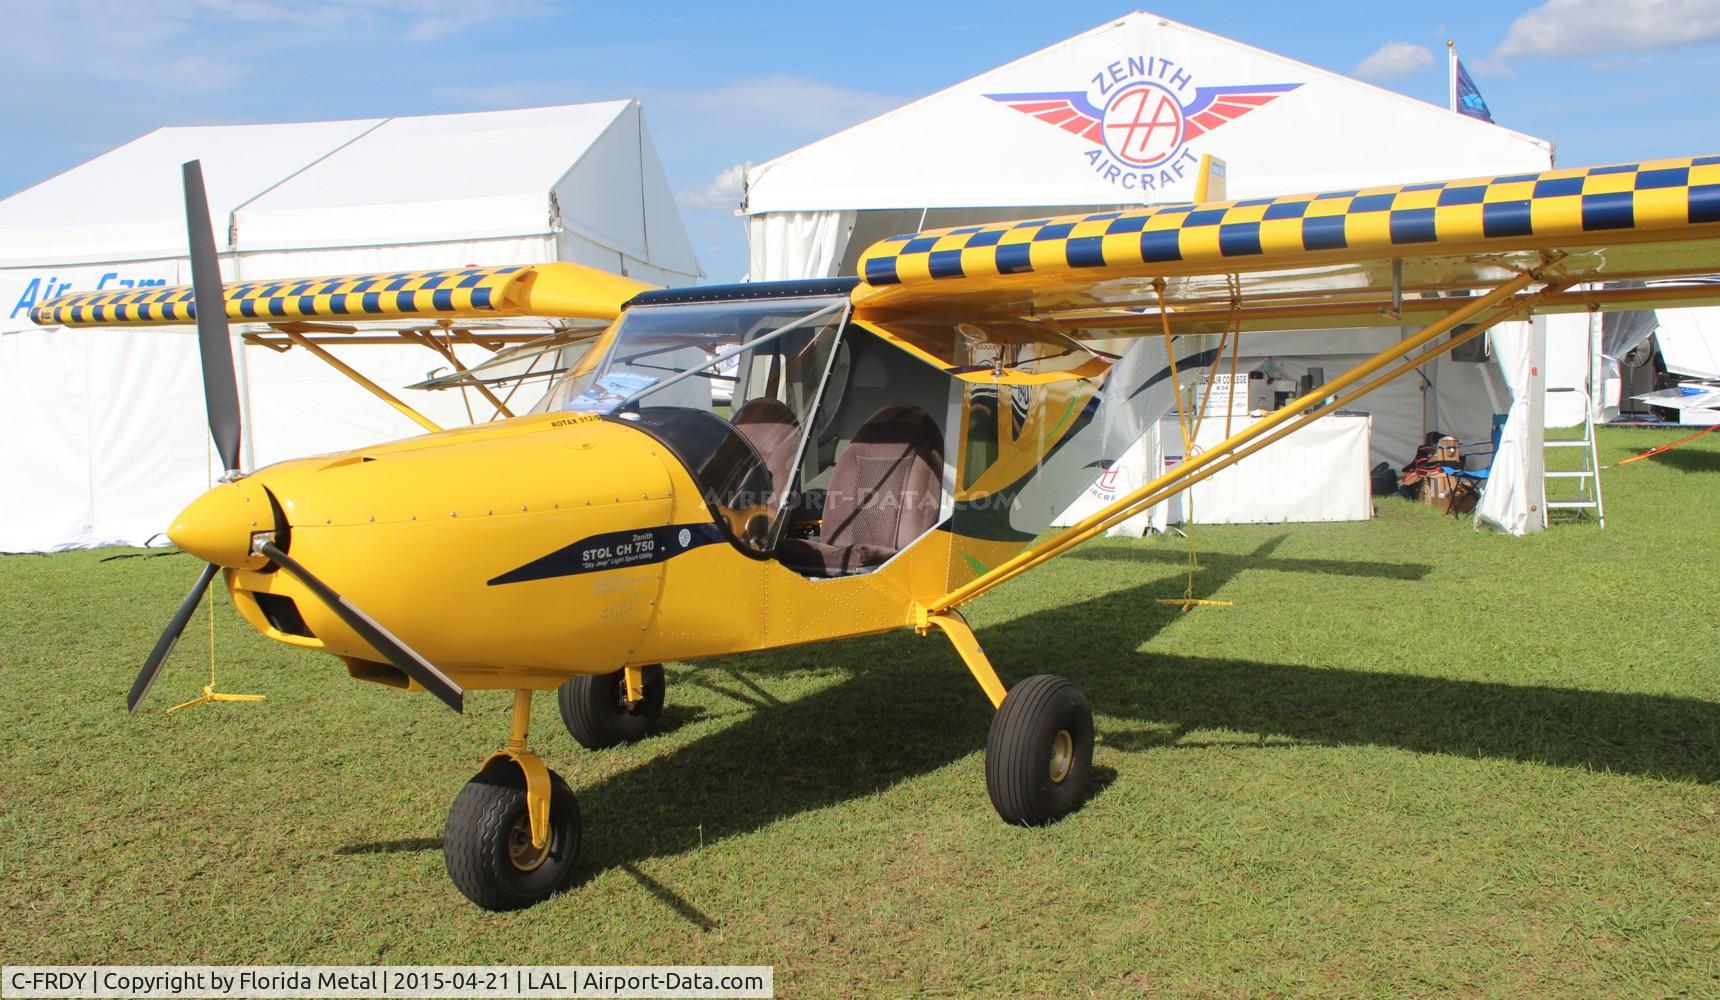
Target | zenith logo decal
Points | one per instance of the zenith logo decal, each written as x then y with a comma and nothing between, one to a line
1140,115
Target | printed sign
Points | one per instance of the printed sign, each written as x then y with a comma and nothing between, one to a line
1139,114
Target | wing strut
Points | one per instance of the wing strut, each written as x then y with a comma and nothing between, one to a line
352,373
1483,312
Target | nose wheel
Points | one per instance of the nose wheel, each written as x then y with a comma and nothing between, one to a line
512,837
599,713
488,846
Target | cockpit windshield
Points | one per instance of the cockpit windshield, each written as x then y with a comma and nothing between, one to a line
733,388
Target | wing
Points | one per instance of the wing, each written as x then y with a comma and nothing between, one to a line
1213,106
1331,259
1068,110
550,290
1448,258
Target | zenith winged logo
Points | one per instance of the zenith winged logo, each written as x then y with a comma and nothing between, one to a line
1140,115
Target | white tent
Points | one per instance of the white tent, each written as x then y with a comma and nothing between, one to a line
1001,145
1689,341
104,435
1051,132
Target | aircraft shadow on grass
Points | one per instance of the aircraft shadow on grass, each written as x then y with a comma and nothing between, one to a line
908,708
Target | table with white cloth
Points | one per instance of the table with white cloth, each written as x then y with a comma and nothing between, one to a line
1318,473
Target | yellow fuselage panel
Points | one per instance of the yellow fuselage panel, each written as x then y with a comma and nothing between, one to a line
453,515
493,471
555,545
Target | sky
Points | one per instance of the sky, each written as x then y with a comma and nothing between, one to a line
728,83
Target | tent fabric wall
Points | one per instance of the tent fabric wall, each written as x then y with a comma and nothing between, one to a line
1512,499
785,245
779,252
1571,355
1585,351
105,436
1689,341
68,396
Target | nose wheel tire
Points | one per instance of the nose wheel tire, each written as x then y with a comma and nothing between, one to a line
1040,751
487,843
596,712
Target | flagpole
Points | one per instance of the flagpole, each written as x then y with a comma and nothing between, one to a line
1451,73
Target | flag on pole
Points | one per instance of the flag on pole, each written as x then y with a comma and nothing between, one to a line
1465,96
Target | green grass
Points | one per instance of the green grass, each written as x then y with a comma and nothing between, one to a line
1412,759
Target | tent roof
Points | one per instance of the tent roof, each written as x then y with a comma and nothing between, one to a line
1282,126
365,182
128,203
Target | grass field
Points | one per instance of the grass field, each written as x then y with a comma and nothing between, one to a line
1413,759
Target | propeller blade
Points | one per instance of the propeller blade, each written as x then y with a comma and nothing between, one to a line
220,387
164,645
371,631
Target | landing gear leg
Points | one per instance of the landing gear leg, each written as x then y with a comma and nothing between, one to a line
1039,755
513,834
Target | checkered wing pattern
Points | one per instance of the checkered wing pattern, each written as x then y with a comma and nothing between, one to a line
1667,200
471,291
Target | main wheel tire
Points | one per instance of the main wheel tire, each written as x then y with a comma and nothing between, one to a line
1039,754
595,709
487,842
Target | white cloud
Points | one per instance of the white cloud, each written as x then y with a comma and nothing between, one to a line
1394,60
1570,29
724,190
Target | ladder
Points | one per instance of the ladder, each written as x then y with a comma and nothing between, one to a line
1588,478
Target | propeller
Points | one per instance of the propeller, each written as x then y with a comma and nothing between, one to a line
214,343
169,638
372,631
221,398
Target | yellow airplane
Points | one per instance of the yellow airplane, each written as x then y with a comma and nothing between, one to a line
735,468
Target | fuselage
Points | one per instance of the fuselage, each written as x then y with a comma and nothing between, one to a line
522,552
639,518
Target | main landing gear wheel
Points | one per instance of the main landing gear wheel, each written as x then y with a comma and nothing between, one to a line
596,712
487,843
1040,751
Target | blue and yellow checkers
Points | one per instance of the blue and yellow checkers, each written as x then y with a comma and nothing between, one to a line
553,289
1558,208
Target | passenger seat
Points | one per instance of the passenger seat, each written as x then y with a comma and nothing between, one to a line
774,433
885,492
